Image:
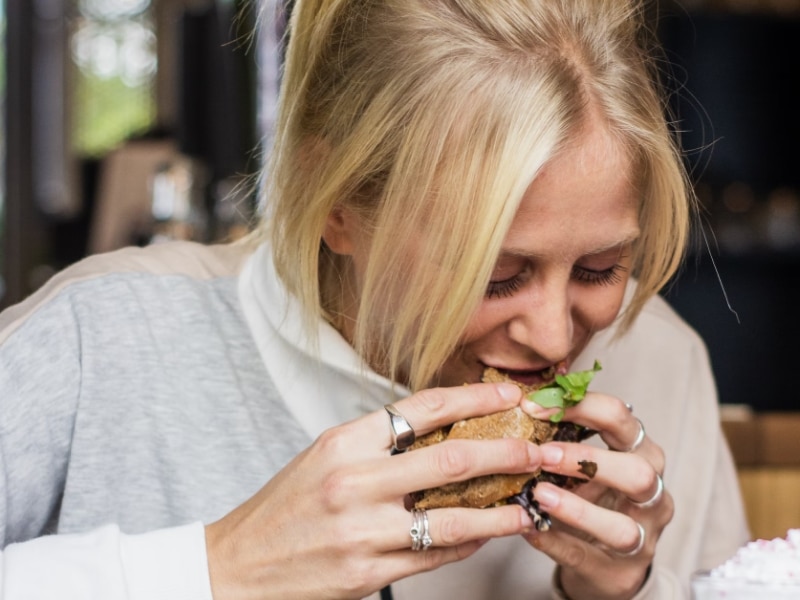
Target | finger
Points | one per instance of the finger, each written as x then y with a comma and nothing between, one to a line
433,408
576,556
403,563
611,529
448,527
448,462
618,427
630,474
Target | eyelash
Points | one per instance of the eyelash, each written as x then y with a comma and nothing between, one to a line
505,288
610,276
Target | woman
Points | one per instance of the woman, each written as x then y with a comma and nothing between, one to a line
456,184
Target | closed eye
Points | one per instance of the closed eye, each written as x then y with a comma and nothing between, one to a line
610,276
504,288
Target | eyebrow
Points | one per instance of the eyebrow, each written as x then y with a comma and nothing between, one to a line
625,240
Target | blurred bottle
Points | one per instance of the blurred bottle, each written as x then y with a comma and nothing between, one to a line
178,206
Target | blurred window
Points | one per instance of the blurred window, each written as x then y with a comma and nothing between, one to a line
113,50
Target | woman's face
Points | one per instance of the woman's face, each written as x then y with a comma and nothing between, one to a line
562,269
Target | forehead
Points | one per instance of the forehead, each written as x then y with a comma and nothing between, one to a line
583,201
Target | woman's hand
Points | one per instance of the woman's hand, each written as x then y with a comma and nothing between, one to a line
605,531
332,523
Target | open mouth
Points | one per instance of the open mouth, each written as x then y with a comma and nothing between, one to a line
535,378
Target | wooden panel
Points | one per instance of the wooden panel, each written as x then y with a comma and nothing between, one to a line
772,499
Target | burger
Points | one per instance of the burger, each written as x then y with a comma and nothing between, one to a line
559,391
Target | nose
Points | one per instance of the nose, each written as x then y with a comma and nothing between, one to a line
543,322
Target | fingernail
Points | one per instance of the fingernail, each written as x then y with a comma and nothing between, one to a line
508,391
538,412
547,498
551,455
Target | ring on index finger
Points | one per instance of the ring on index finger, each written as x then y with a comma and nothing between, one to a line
639,544
656,496
403,434
638,441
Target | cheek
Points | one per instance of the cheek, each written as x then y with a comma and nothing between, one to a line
596,308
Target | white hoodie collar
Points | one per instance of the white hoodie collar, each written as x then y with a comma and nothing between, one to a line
322,387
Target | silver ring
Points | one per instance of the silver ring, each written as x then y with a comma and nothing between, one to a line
629,407
639,545
639,438
656,497
420,534
402,433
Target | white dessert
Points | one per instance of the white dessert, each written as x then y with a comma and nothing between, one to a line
765,561
760,569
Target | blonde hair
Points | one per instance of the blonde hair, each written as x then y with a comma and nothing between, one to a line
429,119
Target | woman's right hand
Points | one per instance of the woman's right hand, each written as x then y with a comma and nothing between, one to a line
332,523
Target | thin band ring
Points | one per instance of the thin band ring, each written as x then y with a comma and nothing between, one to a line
656,497
420,533
639,545
402,433
639,438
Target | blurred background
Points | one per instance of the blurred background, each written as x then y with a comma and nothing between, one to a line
128,122
133,121
136,121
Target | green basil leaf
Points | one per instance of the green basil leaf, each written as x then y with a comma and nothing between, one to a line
548,397
567,390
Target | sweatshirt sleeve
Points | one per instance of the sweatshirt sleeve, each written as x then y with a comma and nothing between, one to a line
40,379
105,564
40,391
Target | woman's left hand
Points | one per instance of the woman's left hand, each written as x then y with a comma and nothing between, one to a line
605,531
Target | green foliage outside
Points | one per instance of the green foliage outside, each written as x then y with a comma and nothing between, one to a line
107,111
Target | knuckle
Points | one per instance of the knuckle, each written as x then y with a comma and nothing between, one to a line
338,490
431,559
668,509
619,412
628,537
451,530
660,459
431,401
628,581
517,454
573,556
331,442
646,475
357,578
451,461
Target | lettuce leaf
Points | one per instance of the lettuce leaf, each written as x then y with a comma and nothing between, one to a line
566,391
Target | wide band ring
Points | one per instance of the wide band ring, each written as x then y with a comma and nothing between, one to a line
420,533
639,545
639,438
402,433
656,497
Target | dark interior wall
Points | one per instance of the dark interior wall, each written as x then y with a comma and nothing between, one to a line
737,78
25,236
751,327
